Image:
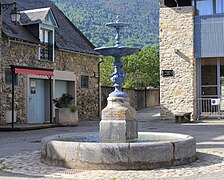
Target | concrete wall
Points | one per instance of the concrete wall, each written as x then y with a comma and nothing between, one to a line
138,98
177,92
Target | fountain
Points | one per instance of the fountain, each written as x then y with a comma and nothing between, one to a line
118,122
118,144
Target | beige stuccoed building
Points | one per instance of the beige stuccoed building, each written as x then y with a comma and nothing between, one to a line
50,57
192,58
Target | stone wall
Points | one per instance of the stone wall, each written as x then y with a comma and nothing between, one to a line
27,55
139,98
87,99
177,92
1,46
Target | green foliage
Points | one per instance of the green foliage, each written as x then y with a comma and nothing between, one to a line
91,17
73,108
106,69
65,101
141,69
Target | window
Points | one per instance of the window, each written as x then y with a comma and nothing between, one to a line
209,7
8,77
46,51
209,83
84,81
219,6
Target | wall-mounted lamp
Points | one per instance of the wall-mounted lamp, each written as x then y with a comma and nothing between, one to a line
15,14
96,74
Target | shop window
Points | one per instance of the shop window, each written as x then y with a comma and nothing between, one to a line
84,81
8,77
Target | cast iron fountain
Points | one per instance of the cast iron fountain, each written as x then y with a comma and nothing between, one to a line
118,144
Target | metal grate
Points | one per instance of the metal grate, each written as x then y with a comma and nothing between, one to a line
46,51
210,107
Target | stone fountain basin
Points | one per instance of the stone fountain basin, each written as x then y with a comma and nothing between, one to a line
176,150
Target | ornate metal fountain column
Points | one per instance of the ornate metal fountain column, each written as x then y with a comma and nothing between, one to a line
117,51
118,122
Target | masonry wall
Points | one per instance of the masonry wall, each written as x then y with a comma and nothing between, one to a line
27,55
87,99
139,98
1,46
177,92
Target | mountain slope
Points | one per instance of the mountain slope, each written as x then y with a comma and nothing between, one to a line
90,16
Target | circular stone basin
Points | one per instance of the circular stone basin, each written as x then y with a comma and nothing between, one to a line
151,150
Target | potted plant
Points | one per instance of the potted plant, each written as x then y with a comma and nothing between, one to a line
66,112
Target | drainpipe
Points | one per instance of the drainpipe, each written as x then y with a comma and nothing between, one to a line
99,90
145,97
13,94
50,100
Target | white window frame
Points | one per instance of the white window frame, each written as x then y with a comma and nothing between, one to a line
51,29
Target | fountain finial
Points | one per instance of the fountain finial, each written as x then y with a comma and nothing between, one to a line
117,25
117,19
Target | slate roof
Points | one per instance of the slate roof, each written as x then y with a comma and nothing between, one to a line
67,35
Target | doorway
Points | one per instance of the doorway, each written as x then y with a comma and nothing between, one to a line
210,88
37,96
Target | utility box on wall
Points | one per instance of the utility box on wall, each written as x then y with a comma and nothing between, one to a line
9,116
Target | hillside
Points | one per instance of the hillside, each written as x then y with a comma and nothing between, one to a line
90,16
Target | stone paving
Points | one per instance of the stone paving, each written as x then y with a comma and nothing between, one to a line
29,163
210,158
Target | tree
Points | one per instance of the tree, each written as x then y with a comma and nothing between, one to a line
141,69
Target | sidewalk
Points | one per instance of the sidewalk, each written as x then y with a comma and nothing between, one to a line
209,164
25,127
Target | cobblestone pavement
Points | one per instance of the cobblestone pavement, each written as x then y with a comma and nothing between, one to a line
28,163
210,156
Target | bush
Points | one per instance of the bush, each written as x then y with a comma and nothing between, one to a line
73,108
65,101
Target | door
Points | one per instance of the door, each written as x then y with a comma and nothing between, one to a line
61,88
211,87
37,101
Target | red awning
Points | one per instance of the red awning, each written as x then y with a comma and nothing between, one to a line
42,72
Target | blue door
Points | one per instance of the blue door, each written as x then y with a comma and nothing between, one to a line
37,101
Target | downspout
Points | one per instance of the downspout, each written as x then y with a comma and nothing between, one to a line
50,100
13,93
99,90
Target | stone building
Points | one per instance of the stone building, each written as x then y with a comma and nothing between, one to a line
50,57
192,58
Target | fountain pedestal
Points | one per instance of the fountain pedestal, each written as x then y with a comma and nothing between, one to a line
118,122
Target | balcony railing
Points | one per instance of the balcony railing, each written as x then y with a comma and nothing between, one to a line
46,51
